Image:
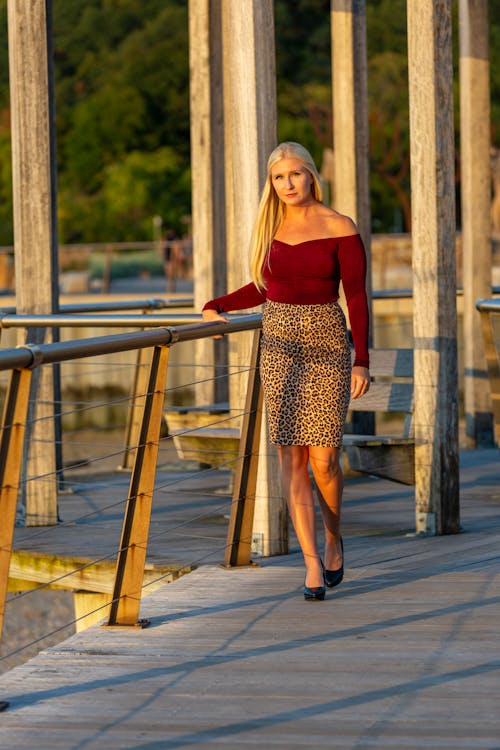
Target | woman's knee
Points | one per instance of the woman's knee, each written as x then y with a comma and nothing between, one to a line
326,464
293,458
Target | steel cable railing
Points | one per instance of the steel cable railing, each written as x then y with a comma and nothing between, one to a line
64,351
170,575
159,486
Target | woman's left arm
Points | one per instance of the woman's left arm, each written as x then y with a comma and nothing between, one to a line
352,259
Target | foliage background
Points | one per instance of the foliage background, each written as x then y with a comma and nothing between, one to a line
122,109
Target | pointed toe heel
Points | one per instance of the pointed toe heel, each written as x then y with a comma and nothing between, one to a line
316,594
334,577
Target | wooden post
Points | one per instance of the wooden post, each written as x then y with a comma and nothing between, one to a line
90,608
351,182
11,450
134,415
351,185
207,170
433,237
492,358
250,135
476,222
35,233
241,523
124,610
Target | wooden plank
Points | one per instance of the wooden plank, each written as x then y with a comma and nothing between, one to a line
215,447
392,362
377,440
389,397
37,568
238,659
386,459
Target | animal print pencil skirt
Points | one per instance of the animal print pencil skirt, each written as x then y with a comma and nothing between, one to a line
305,370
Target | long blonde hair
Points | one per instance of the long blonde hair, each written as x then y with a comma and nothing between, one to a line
271,210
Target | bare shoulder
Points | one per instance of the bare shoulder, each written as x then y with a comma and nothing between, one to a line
340,225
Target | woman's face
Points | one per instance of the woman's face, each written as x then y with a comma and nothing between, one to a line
293,182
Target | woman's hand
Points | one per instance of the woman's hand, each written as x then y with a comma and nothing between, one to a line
210,316
360,381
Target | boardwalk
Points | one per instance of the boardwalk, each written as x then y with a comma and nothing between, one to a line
405,654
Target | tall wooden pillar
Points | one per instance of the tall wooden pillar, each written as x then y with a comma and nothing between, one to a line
35,225
351,185
433,237
476,222
351,182
208,199
250,135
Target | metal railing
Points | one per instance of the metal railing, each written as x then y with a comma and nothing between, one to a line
23,362
489,308
153,303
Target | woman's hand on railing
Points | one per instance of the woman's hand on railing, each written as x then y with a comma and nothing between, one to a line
211,316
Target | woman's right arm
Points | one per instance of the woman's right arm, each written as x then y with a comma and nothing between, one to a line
241,299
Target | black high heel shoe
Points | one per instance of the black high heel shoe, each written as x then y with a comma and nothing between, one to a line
334,577
317,593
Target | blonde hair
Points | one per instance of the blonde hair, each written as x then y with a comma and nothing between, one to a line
271,211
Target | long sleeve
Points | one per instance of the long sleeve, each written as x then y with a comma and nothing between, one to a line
243,298
352,259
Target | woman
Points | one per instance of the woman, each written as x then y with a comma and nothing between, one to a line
301,249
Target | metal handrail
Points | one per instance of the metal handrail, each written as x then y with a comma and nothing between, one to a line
62,351
488,305
104,321
408,293
130,567
115,305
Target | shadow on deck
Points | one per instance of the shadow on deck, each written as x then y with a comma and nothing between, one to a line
403,654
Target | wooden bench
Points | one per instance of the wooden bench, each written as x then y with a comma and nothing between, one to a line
199,434
391,392
200,437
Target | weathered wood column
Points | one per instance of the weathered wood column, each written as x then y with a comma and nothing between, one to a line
250,134
476,222
35,225
433,237
351,184
208,199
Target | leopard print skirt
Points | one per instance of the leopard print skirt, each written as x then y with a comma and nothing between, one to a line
305,369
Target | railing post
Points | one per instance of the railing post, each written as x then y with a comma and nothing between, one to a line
239,537
11,455
133,427
134,540
493,367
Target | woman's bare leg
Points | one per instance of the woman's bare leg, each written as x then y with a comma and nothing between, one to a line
300,498
327,472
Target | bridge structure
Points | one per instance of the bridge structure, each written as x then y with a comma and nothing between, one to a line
396,579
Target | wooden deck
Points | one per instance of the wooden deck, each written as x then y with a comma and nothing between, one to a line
404,654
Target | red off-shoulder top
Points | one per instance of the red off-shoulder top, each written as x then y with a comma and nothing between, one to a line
309,273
